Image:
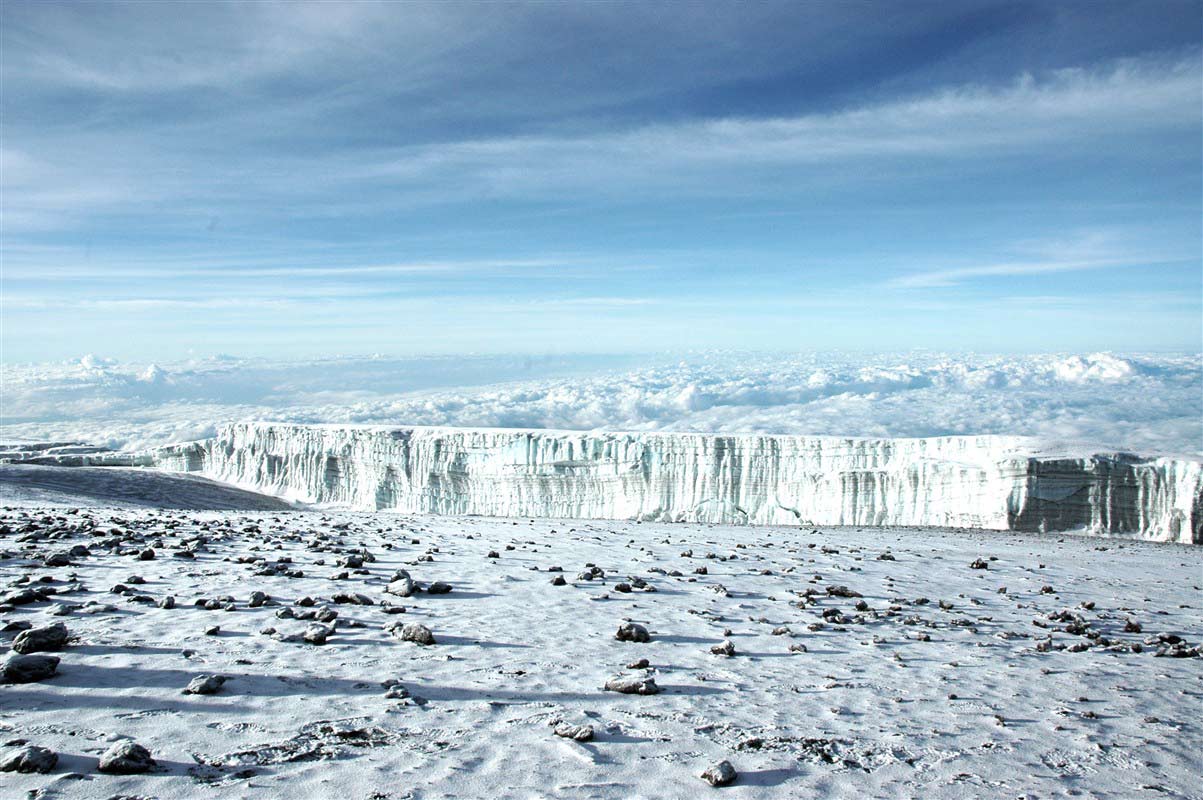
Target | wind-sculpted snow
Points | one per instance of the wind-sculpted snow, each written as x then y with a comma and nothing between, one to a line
993,482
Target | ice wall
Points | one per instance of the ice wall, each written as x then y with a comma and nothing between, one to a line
993,482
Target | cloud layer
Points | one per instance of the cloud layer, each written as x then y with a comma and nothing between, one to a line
1149,404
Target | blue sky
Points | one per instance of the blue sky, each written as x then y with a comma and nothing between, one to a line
285,179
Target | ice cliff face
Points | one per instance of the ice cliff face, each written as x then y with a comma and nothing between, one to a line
959,481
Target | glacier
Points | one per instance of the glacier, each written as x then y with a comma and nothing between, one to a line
989,482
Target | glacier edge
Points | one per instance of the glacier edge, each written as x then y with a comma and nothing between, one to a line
989,481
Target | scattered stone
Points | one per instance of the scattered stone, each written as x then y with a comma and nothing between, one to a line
721,774
23,597
411,632
980,563
578,733
30,758
438,587
41,640
726,648
590,573
57,560
29,668
317,633
205,684
632,684
353,598
401,585
395,690
126,758
632,632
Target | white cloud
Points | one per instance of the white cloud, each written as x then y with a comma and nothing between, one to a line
960,122
1088,250
1143,403
56,182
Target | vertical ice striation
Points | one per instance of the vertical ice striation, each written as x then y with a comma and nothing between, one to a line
958,481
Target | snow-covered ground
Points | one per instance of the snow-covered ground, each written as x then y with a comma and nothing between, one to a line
935,683
1147,403
30,484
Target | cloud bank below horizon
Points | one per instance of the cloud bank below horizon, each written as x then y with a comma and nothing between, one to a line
1144,403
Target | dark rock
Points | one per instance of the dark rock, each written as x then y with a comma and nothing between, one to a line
40,640
126,758
23,597
353,598
632,632
411,632
29,759
205,684
29,668
317,633
395,690
721,774
726,648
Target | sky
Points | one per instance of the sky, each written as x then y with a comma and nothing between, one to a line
288,180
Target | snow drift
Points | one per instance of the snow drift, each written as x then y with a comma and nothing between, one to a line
993,482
